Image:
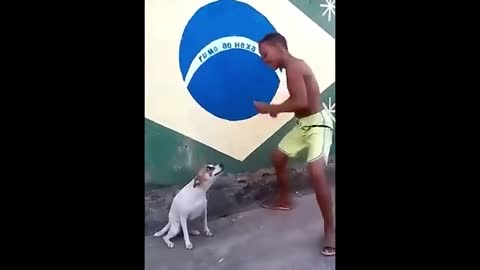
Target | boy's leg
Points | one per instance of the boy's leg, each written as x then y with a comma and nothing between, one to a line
280,161
289,146
324,200
320,141
282,201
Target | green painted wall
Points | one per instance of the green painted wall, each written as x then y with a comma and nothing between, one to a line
172,158
316,10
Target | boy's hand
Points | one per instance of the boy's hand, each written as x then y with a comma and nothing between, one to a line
262,107
273,111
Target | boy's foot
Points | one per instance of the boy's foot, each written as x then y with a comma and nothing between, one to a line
278,204
329,246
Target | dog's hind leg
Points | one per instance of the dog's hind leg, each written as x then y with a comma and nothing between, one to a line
174,230
163,231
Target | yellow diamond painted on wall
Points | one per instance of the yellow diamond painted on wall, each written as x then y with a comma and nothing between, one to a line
203,69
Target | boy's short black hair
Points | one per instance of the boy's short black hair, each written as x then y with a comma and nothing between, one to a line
275,38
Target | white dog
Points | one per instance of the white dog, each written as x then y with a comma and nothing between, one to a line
190,203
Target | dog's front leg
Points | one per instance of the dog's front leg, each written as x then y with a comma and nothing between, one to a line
186,237
205,223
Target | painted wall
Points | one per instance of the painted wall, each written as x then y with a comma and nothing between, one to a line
203,72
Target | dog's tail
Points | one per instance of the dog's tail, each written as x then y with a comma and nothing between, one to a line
163,231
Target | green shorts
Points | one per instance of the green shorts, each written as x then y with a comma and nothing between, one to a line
314,132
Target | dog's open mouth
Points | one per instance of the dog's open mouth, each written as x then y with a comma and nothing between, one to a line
219,172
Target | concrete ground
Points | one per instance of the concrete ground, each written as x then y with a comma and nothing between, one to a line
256,239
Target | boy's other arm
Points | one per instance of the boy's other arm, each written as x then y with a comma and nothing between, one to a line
298,93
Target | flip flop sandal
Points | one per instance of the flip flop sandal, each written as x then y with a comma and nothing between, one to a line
328,251
273,206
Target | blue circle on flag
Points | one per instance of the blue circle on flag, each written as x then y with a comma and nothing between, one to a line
220,62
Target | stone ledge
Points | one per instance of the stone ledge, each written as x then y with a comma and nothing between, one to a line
230,194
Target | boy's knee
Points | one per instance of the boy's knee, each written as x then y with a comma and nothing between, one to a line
317,168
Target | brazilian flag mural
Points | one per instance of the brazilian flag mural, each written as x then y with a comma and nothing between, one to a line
203,71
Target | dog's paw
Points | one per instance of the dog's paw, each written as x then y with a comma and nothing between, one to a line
208,233
189,245
195,232
157,234
169,243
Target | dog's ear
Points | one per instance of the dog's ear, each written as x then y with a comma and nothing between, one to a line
198,180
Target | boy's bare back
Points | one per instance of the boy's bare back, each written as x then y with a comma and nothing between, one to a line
298,72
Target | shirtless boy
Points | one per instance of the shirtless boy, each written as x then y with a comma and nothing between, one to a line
313,130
